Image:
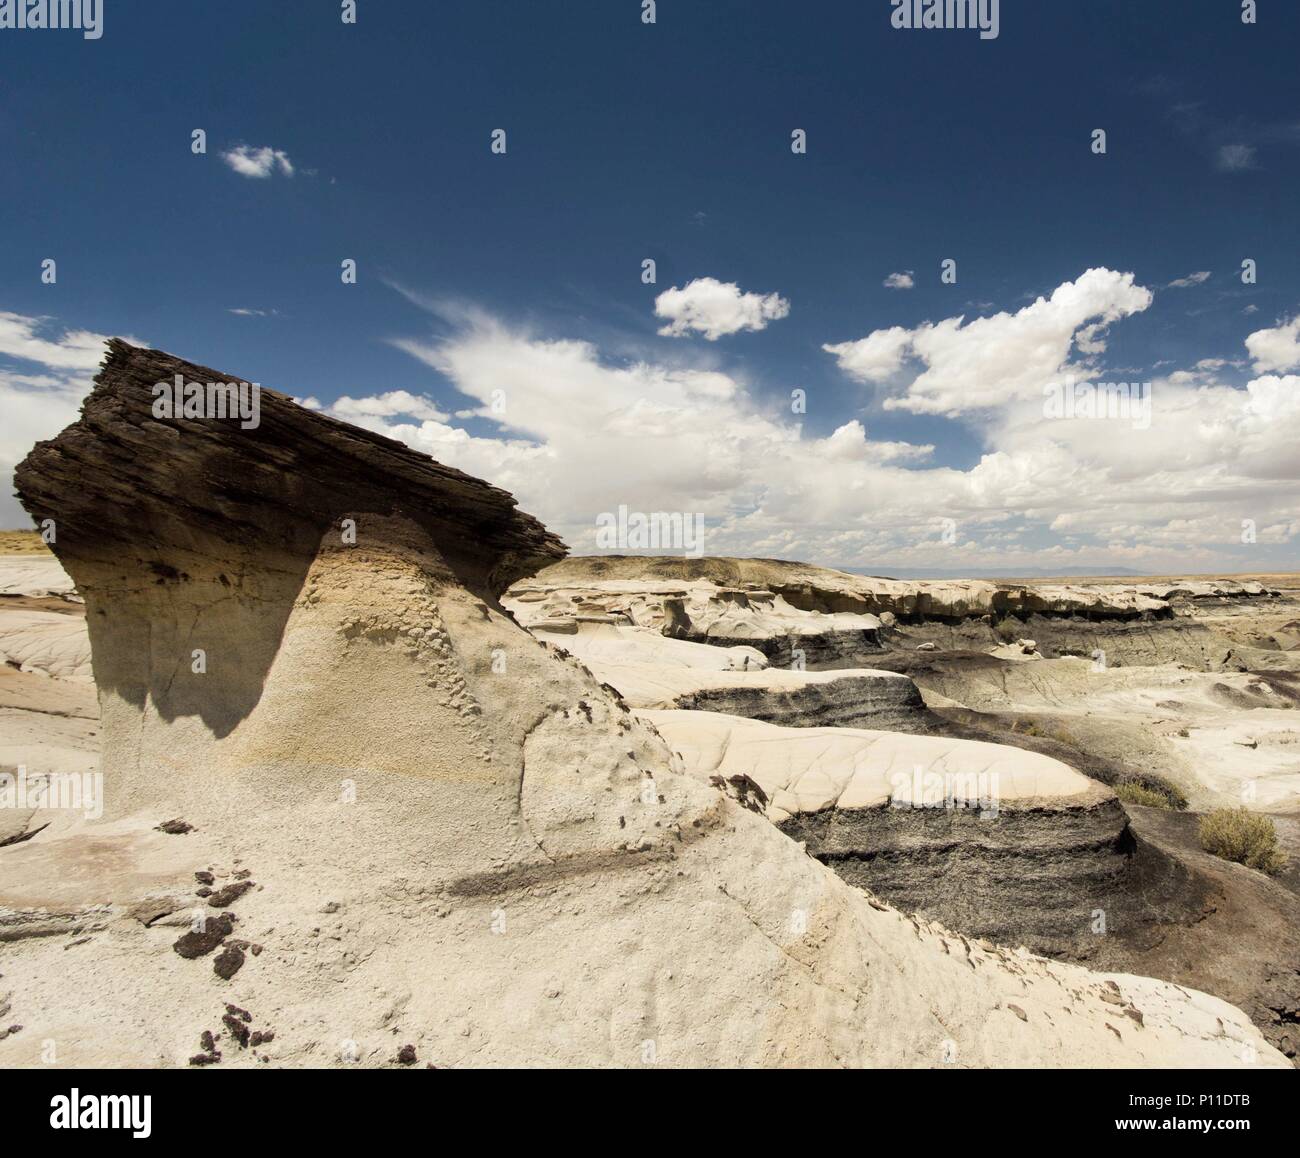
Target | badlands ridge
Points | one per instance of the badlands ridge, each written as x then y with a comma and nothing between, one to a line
387,778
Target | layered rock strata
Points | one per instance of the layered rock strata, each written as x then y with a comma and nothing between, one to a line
427,827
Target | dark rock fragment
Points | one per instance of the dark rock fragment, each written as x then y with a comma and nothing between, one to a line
228,962
229,894
199,944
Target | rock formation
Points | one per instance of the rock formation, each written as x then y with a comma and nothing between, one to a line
821,589
650,670
415,823
992,841
706,613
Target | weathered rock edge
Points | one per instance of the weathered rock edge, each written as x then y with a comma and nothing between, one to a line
112,478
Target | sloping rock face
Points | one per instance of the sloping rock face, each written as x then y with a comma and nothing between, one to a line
992,841
434,829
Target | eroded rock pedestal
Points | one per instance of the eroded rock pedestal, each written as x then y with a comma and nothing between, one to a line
425,827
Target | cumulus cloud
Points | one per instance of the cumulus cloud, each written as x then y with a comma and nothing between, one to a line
995,360
715,309
1277,348
875,358
574,432
579,434
902,280
258,163
1199,278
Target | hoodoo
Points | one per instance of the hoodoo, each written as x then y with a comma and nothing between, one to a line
417,823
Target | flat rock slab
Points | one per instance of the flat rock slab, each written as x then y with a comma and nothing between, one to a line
34,575
97,864
812,769
46,642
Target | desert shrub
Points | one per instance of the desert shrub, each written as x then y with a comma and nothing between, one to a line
1248,838
1007,630
1131,792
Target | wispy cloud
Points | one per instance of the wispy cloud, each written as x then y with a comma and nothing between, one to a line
902,280
1199,278
1231,144
1235,158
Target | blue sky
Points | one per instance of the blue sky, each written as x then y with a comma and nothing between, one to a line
671,141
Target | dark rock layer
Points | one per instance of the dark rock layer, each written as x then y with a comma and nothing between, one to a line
119,477
892,705
186,535
1058,880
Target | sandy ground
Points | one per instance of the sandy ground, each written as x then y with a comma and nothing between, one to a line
22,543
1209,732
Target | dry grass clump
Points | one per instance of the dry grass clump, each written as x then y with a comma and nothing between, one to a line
22,543
1245,837
1131,792
1007,630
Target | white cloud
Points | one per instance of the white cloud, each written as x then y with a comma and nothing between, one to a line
258,163
715,309
1235,158
388,405
41,395
1192,279
244,312
876,357
577,434
71,350
902,280
1277,348
995,360
580,435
